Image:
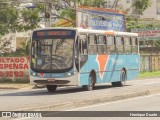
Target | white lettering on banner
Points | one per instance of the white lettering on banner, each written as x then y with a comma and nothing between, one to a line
100,23
148,33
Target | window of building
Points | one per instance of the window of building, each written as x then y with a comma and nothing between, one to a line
141,43
158,7
128,1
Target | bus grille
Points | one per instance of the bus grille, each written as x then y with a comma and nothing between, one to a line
51,82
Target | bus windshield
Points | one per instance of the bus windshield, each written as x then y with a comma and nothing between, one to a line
52,54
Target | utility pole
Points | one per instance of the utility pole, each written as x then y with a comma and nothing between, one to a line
48,8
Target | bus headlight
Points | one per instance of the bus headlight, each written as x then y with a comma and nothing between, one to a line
68,74
34,74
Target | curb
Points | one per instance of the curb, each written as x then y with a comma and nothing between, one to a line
9,88
86,102
16,87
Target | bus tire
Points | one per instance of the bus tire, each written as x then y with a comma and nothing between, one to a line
51,88
90,85
122,81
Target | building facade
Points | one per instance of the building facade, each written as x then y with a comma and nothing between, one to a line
152,12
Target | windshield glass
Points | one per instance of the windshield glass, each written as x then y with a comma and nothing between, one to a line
52,55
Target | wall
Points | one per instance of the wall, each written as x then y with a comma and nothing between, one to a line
14,67
150,63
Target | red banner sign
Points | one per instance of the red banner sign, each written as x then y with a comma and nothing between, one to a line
14,66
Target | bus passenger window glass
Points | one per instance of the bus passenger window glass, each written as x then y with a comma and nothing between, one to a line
110,44
127,43
100,39
135,45
92,44
110,40
119,44
136,41
101,44
83,44
141,43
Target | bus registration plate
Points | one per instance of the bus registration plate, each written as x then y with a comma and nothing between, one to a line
51,79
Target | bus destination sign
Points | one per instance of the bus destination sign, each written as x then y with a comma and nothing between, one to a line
53,33
42,34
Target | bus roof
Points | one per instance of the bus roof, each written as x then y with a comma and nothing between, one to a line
107,32
91,31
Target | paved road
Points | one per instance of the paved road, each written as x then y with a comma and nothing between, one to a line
72,97
145,103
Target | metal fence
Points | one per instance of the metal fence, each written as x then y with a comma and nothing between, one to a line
149,63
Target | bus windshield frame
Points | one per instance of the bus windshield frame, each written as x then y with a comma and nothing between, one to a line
52,50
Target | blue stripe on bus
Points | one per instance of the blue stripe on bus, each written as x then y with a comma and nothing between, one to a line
115,64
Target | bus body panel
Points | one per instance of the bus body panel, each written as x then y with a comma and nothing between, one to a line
72,78
110,72
107,67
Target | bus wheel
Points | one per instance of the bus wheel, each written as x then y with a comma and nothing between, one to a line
90,85
51,88
122,80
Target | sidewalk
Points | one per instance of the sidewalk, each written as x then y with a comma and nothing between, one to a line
16,86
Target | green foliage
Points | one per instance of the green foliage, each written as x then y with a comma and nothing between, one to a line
70,11
21,80
141,5
92,3
155,74
30,18
6,80
19,52
12,19
8,20
16,20
16,80
132,23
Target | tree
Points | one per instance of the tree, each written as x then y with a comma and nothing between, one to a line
68,10
14,20
140,6
134,22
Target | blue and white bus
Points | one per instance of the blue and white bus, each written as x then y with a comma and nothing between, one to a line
83,57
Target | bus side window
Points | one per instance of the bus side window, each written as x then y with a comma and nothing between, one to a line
110,44
83,49
101,44
134,45
127,44
92,44
120,44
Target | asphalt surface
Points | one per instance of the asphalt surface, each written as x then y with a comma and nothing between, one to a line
73,97
144,103
144,108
